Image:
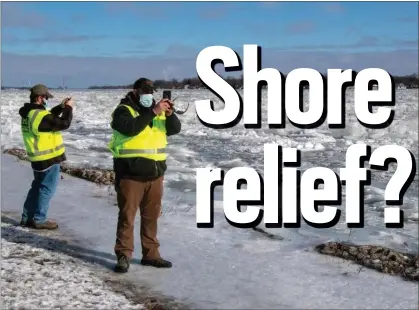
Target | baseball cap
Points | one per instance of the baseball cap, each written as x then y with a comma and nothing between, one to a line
145,85
41,90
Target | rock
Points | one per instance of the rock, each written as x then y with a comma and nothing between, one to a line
375,257
378,266
360,256
353,250
95,175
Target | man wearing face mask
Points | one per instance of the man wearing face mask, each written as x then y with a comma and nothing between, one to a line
45,149
140,129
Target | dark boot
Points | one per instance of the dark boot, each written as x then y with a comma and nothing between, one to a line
47,225
157,262
24,223
27,223
122,265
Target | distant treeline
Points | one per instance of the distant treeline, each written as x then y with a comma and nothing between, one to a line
409,81
28,88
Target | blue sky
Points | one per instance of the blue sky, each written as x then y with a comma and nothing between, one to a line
116,42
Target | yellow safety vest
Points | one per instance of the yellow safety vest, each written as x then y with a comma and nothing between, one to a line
40,145
150,143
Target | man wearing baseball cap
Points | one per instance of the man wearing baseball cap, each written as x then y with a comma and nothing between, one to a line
45,149
140,129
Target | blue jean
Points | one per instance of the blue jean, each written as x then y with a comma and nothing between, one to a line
43,188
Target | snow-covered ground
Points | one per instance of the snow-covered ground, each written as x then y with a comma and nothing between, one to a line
37,278
227,267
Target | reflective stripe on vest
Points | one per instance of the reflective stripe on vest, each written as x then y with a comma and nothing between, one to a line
143,151
46,152
150,143
40,145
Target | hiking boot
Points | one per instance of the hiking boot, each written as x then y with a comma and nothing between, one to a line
122,265
48,225
157,262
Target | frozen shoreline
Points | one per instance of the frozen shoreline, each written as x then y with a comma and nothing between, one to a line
35,277
44,269
241,268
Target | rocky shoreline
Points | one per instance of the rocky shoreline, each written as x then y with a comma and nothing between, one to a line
95,175
375,257
382,259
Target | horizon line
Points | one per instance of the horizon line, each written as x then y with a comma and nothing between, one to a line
180,80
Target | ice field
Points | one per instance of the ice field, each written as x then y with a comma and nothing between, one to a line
241,268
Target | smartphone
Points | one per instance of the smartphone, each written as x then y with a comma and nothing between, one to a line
167,94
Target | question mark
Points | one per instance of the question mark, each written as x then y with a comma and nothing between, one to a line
399,182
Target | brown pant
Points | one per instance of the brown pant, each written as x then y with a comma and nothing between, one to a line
147,196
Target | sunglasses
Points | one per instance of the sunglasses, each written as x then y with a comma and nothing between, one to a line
147,89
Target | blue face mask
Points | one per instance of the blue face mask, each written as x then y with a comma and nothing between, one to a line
45,102
146,100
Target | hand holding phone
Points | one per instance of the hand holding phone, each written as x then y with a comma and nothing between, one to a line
162,106
68,101
167,94
65,101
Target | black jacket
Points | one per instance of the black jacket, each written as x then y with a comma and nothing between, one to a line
50,122
139,168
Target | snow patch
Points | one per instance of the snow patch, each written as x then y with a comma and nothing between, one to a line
34,278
